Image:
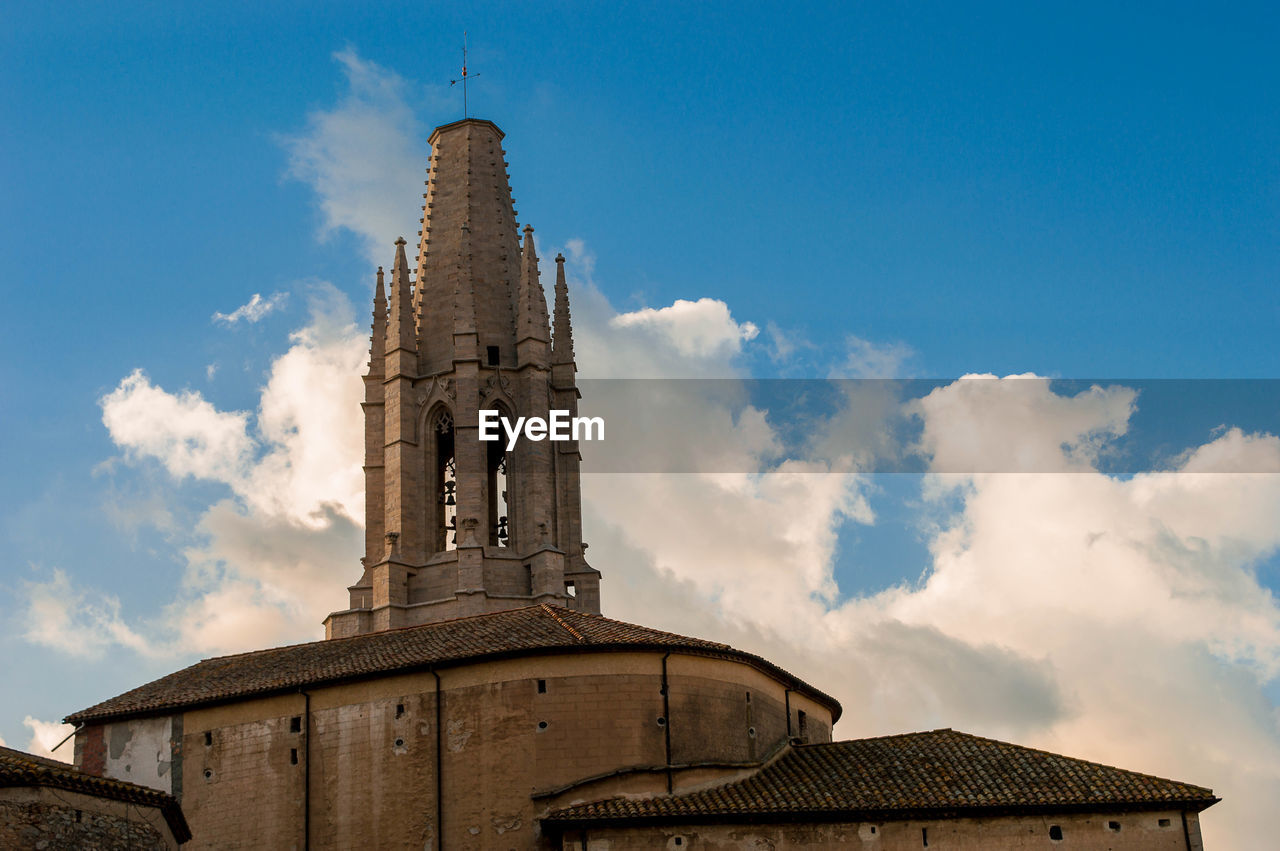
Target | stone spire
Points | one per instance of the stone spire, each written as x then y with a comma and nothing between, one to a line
468,189
400,326
378,341
533,333
562,350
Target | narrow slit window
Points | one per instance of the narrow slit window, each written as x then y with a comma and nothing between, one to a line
542,686
208,738
295,724
493,355
293,756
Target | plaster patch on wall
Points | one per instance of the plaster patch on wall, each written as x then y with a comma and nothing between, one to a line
501,824
121,734
141,751
458,735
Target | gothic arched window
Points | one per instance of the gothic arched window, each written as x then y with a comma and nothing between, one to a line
445,480
499,526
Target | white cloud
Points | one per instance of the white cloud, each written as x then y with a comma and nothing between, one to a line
700,329
45,736
184,431
687,339
865,359
1018,424
364,156
281,459
262,562
64,618
252,310
1113,619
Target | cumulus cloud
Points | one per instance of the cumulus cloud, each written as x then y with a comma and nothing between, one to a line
63,617
45,736
364,156
278,460
981,424
1114,619
698,329
252,310
182,430
686,339
263,563
867,359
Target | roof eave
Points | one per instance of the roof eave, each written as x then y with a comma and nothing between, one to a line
86,716
828,816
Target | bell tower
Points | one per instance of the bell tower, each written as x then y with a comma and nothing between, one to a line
454,525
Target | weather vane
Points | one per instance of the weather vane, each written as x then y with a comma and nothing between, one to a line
463,80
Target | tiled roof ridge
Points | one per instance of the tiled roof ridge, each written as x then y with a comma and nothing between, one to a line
595,616
19,768
366,635
577,635
824,778
1044,752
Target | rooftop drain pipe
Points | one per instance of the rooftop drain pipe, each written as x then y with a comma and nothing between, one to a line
439,791
786,696
306,769
666,720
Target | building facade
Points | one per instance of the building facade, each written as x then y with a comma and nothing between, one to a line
471,695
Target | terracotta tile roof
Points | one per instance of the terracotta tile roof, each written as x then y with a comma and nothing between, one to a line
23,769
517,632
917,775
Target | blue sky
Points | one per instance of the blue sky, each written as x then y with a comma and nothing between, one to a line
1091,191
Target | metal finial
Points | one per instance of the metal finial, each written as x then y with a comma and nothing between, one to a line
463,79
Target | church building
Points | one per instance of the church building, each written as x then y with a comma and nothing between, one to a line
471,695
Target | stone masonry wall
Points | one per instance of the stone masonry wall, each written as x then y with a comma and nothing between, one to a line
516,739
56,819
1154,831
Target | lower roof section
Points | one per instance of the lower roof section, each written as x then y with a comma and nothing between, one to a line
18,769
937,774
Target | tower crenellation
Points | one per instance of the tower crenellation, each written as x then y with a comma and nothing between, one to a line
455,525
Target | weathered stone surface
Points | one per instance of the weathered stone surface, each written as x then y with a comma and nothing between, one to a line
56,822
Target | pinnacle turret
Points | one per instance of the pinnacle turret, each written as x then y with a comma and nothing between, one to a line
531,309
400,328
378,340
562,348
